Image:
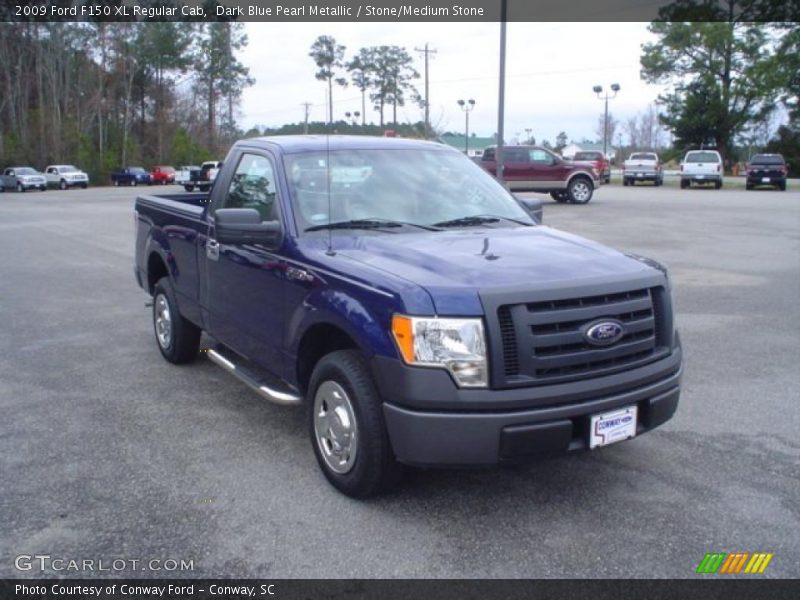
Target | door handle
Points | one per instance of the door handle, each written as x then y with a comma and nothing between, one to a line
212,249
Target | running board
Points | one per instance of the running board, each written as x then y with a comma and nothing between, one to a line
268,392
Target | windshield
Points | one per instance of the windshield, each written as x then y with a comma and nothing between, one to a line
702,157
416,187
767,159
643,156
136,170
25,171
588,156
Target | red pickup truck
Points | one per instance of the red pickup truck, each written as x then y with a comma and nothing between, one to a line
163,175
536,169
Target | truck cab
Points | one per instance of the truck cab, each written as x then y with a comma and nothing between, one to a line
410,304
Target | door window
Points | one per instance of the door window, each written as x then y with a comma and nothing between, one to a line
253,186
537,155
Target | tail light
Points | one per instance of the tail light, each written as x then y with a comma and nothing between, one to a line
719,167
681,168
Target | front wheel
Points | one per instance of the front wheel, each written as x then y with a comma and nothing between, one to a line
717,185
347,429
134,183
178,339
62,185
116,183
580,190
20,188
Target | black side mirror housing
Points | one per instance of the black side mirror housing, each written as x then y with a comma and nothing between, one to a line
244,226
532,206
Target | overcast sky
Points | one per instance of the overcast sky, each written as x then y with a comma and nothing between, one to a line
550,71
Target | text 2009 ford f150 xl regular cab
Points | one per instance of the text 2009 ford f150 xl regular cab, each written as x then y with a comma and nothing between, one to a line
411,302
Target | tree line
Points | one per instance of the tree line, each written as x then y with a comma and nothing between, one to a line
105,94
384,74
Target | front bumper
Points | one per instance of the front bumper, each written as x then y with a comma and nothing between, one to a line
549,424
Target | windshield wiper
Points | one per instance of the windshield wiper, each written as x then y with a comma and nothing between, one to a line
367,224
476,220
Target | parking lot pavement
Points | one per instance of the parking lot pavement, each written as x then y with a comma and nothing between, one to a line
108,452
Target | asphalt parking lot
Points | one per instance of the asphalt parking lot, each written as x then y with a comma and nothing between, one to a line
109,452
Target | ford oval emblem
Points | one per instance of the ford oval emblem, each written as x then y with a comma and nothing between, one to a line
604,333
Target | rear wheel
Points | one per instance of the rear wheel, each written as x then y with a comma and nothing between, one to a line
748,186
717,185
189,188
62,185
178,339
347,429
580,190
782,186
684,184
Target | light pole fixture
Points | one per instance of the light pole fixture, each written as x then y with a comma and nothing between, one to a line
467,106
598,89
528,131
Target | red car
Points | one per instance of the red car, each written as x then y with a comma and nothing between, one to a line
599,161
163,175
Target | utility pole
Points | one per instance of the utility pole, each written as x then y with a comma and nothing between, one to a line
427,52
306,106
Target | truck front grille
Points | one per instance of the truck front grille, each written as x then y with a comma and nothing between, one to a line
543,341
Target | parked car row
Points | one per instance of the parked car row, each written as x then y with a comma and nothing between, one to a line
22,179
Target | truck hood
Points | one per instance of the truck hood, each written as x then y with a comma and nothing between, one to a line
451,264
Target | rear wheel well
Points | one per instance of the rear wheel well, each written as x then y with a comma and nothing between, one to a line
156,269
318,341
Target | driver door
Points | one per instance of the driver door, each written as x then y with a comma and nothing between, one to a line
245,287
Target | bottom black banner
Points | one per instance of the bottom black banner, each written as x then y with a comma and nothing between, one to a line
206,589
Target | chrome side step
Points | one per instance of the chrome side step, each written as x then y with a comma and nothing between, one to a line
268,392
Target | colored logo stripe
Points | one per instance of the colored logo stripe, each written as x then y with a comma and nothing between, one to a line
723,563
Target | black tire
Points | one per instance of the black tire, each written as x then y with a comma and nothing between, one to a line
20,188
184,336
2,189
134,183
84,186
559,197
116,183
43,188
717,185
748,186
684,184
625,182
62,185
659,182
375,468
204,188
782,186
580,190
188,188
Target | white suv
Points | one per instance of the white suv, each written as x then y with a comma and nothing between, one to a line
701,166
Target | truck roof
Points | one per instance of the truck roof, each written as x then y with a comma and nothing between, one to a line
290,144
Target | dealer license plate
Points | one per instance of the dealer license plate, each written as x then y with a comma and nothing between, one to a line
613,426
765,180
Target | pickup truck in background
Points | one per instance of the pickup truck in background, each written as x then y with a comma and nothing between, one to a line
598,160
162,174
535,169
643,166
131,176
701,167
767,170
65,176
183,176
411,303
22,179
203,178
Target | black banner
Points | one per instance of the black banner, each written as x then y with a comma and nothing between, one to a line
463,589
398,10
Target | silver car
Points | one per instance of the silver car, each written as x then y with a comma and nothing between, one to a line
21,179
65,176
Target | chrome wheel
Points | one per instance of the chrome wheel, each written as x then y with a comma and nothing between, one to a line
335,427
580,192
163,321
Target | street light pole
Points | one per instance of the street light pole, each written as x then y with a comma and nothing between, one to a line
598,89
467,106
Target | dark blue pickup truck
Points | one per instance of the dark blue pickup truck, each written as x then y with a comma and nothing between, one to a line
411,302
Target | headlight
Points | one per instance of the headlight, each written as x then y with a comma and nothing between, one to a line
458,345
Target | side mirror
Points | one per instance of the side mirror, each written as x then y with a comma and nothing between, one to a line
532,206
244,226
